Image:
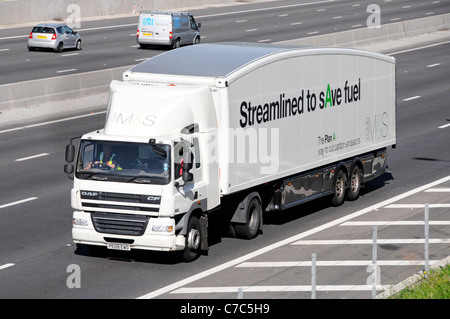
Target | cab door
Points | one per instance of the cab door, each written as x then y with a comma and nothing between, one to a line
192,191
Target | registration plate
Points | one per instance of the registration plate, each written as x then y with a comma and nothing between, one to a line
42,37
115,246
149,34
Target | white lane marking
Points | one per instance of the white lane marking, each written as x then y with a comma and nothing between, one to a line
411,98
265,40
332,263
370,241
420,48
433,65
338,17
31,157
143,59
3,50
296,23
51,122
394,19
417,206
356,25
293,288
398,223
65,71
6,266
444,126
438,190
287,241
70,54
241,21
313,32
18,202
15,37
251,30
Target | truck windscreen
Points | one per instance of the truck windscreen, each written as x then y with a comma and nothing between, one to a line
124,162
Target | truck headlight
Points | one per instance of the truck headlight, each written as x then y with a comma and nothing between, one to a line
80,222
162,228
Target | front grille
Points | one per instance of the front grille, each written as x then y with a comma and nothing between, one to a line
120,224
122,207
120,202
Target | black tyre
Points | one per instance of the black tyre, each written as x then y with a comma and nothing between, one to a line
355,184
250,229
78,46
59,48
193,240
339,189
177,44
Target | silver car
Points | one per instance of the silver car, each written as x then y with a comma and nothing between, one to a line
53,36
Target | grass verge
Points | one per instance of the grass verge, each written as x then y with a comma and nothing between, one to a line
435,286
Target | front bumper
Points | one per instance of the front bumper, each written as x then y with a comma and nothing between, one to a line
84,232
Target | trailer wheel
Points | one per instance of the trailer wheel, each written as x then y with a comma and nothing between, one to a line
250,229
193,240
355,183
339,189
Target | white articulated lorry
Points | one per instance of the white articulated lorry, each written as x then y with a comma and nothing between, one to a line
234,129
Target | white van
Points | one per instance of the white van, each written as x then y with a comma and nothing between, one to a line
167,28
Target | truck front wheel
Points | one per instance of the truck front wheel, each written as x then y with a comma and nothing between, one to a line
193,240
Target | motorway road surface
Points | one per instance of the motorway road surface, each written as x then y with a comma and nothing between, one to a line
37,254
112,43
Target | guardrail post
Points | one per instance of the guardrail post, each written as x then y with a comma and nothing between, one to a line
313,277
374,262
427,237
240,293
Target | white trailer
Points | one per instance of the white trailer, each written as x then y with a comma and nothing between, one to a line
235,129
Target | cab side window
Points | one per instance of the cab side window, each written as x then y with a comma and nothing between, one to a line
179,161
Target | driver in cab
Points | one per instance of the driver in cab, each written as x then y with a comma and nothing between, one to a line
106,159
